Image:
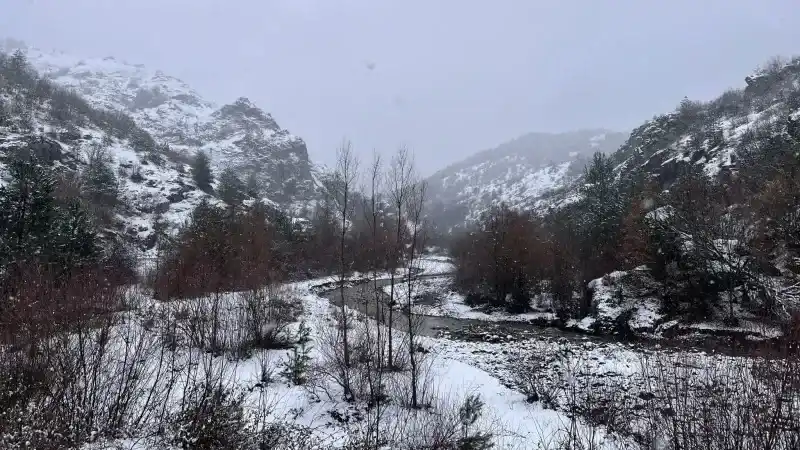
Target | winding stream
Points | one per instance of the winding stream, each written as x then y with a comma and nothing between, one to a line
361,297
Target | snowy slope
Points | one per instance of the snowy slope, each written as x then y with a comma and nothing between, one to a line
714,137
147,192
733,140
717,136
518,173
238,135
155,187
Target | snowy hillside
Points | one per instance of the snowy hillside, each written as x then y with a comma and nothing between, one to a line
146,192
539,170
518,173
718,137
689,228
714,135
145,127
238,135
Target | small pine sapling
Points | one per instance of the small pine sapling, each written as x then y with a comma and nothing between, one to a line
468,414
295,368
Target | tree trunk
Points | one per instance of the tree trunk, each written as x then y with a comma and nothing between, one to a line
342,261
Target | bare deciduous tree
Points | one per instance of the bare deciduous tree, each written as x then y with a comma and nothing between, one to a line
375,377
417,240
400,182
344,184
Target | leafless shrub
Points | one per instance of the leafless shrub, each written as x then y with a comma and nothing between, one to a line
265,315
100,380
449,424
413,387
68,187
686,401
595,405
136,173
333,376
594,409
221,251
287,436
567,438
234,323
24,383
47,298
402,384
267,371
723,404
213,418
528,375
773,66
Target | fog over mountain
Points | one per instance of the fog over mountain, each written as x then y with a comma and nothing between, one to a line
517,173
470,76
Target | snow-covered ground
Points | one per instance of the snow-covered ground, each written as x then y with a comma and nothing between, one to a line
436,265
453,368
616,300
517,423
454,372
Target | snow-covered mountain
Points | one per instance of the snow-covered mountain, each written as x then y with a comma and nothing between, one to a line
519,173
238,135
60,107
539,171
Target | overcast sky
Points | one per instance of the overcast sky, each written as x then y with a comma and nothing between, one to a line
446,77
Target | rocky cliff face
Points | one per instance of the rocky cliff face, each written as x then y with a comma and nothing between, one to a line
59,108
239,135
714,136
244,137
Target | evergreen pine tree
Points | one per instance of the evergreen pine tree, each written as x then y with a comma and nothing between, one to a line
17,68
283,225
161,234
253,187
141,141
75,239
201,171
602,214
100,182
209,225
468,414
793,128
32,228
295,368
27,212
61,111
5,118
231,189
